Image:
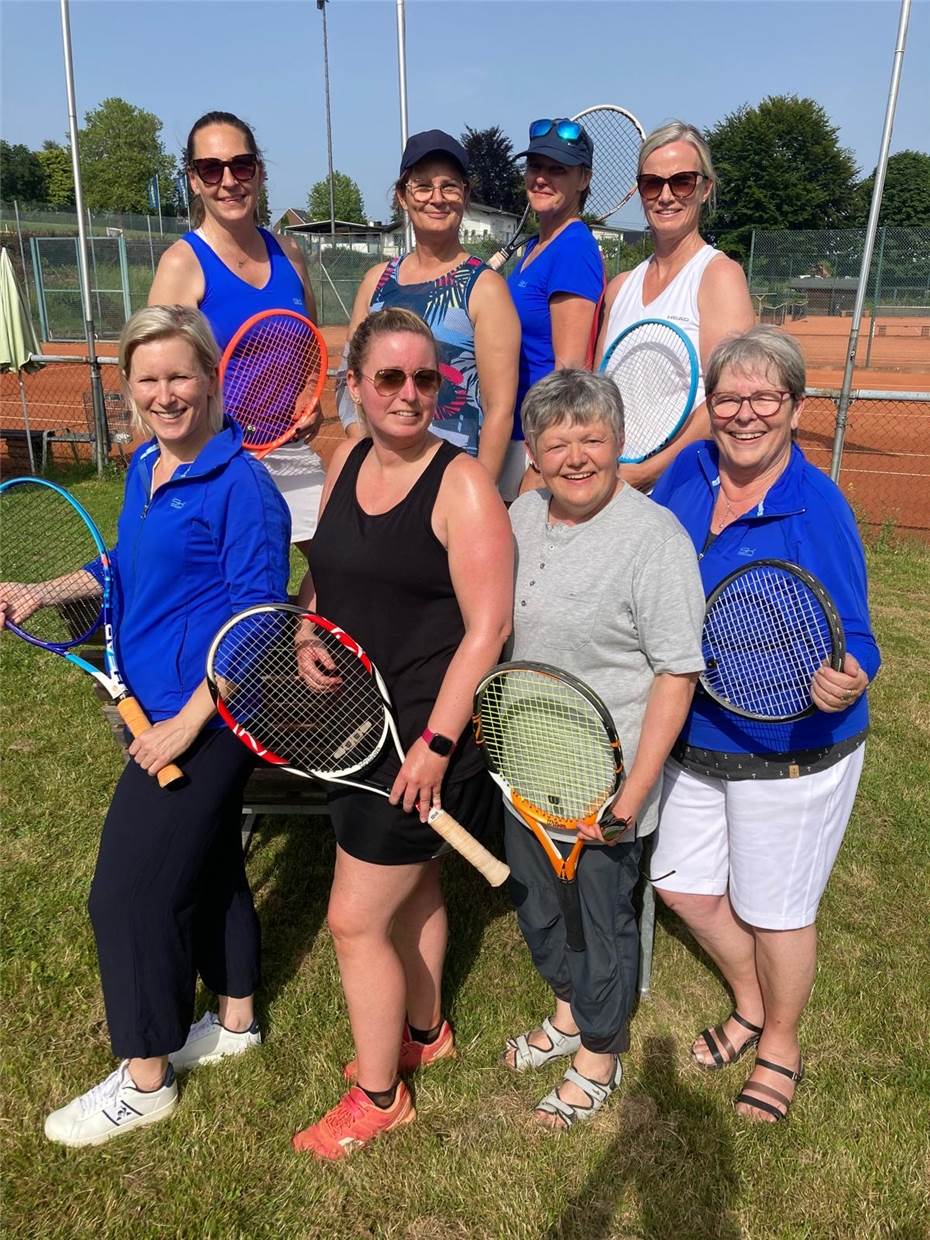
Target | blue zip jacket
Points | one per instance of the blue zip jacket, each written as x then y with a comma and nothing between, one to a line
804,518
211,541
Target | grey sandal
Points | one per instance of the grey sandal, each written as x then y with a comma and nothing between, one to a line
597,1091
527,1056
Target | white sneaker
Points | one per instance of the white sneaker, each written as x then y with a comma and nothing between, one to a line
110,1109
209,1041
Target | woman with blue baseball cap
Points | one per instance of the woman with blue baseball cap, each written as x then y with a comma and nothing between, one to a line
558,281
464,302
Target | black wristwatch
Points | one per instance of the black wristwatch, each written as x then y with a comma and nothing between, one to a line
438,743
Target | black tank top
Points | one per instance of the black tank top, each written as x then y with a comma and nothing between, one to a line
385,580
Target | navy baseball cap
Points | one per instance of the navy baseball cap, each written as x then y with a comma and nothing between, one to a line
432,142
562,140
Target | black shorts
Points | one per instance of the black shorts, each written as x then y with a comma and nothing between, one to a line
369,828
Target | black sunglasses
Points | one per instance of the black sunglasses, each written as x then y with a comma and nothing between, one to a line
682,184
390,380
210,171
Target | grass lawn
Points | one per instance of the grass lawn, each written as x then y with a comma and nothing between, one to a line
667,1160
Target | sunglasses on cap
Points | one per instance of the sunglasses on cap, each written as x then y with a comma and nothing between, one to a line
390,380
682,184
567,130
210,171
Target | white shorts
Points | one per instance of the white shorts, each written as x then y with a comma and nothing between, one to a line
770,842
515,463
298,474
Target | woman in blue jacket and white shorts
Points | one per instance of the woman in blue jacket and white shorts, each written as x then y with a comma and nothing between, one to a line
753,814
203,533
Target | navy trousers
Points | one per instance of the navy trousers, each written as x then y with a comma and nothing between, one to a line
170,898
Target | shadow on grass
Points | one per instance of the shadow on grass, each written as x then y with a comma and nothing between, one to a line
673,1149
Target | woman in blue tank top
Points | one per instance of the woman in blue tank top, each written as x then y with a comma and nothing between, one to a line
231,269
463,301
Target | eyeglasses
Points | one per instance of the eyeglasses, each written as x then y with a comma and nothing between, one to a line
568,131
682,184
422,191
390,380
726,405
210,171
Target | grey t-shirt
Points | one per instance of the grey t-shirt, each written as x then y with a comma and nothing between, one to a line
615,600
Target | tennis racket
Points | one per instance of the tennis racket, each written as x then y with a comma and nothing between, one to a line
617,136
302,694
551,746
53,601
273,371
768,628
656,368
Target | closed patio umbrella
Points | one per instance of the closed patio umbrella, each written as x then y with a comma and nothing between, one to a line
18,344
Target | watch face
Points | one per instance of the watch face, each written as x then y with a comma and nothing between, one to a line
441,745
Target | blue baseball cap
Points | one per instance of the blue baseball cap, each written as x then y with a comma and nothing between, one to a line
572,151
432,142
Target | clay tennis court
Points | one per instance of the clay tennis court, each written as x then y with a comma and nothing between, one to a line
886,460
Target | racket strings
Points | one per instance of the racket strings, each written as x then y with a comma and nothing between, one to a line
617,141
300,692
549,744
271,377
652,370
765,636
44,544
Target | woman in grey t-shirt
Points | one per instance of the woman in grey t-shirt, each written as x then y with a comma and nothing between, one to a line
607,588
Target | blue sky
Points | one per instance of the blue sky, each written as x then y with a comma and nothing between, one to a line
469,62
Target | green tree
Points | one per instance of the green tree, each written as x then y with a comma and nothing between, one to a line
906,193
347,198
59,177
495,178
121,150
780,165
262,209
21,174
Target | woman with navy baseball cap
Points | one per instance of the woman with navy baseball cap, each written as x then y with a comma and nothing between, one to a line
464,302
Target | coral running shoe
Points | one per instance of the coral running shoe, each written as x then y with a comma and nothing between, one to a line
353,1122
415,1055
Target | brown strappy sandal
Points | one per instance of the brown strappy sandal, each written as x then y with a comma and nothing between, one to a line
715,1038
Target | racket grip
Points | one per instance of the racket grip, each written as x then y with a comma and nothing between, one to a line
496,261
137,722
493,869
570,906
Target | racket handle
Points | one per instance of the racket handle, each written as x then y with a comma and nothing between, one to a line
493,869
496,261
137,722
570,906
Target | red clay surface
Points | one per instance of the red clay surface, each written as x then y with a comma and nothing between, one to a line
886,460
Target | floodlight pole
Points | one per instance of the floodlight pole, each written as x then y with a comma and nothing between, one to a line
321,5
101,439
402,76
842,408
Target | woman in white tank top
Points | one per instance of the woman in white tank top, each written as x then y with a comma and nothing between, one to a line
685,281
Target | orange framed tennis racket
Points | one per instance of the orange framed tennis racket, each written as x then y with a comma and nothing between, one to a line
273,371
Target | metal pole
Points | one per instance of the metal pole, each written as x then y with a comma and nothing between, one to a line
22,255
321,5
148,224
842,407
876,296
96,387
402,76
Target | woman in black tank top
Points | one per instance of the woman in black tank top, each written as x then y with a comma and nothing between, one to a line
412,557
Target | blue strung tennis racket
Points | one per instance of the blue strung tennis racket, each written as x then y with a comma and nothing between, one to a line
52,600
767,630
656,368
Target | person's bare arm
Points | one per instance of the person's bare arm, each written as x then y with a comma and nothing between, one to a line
724,309
348,415
298,261
610,296
497,354
471,521
178,278
571,317
666,710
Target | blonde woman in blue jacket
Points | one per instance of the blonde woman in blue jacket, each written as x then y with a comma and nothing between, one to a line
203,533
